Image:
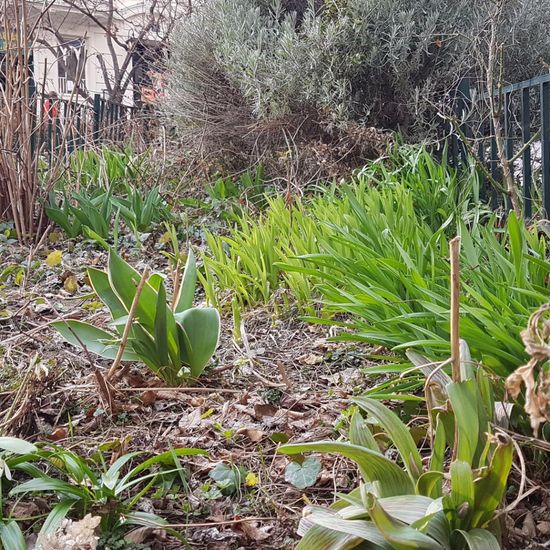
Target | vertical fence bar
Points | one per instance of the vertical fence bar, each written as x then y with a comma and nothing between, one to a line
494,166
545,116
97,116
526,157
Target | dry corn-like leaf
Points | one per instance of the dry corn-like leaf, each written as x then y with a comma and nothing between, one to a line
537,384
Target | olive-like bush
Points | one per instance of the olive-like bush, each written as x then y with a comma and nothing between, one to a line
250,76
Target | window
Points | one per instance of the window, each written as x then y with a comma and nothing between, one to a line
71,62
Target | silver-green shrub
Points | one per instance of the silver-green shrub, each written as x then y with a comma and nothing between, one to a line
243,70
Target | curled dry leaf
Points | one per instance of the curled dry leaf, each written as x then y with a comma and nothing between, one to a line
537,382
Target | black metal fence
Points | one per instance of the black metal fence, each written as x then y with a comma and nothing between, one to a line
69,124
524,115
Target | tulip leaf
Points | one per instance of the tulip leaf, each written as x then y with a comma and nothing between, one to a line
200,328
188,285
94,339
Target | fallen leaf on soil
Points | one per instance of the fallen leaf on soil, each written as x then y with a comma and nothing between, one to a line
252,532
70,284
58,433
252,434
265,410
140,535
148,397
190,420
312,359
528,528
24,510
54,258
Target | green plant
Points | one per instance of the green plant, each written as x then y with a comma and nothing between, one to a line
175,341
93,211
90,485
139,210
251,261
412,507
392,277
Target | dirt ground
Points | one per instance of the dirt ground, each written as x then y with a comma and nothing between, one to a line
283,380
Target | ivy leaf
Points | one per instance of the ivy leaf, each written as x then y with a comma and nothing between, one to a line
305,474
228,478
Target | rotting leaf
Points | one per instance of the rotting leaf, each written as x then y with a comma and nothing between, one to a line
305,474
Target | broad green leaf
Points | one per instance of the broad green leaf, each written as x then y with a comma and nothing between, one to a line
100,283
201,330
321,538
462,490
407,508
397,533
161,328
11,536
429,484
95,340
303,475
476,539
362,529
490,489
374,467
16,445
471,423
188,284
124,280
397,432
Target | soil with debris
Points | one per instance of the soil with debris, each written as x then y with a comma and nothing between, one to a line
283,381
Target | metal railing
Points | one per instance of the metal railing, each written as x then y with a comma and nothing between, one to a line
69,124
524,115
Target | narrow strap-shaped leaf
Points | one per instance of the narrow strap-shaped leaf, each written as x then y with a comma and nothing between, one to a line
56,516
360,434
12,537
321,538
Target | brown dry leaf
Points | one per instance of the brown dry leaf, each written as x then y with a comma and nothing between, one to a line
312,359
252,433
24,510
58,434
544,527
266,409
141,534
148,397
253,532
528,528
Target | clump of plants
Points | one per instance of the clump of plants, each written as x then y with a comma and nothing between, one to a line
103,495
174,339
446,499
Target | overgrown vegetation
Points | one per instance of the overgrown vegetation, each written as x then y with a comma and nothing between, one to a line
311,80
